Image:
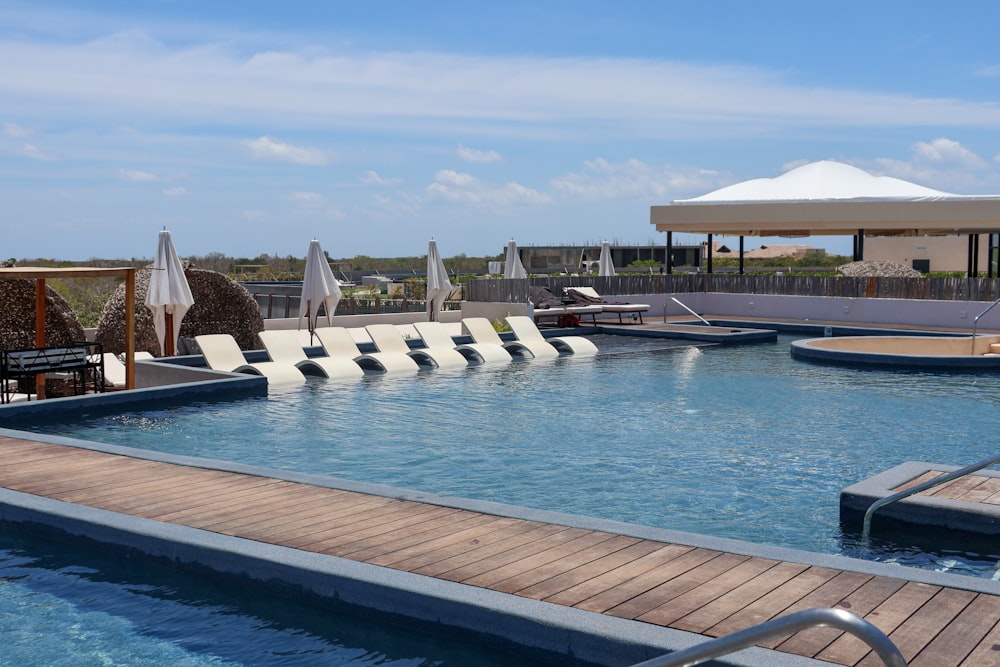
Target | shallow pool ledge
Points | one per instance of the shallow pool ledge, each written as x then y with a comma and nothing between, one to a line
904,352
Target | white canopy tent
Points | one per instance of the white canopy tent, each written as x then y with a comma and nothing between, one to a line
829,198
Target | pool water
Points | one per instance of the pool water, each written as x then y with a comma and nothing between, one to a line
732,441
73,607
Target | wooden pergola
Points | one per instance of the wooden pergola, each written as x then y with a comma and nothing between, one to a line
40,274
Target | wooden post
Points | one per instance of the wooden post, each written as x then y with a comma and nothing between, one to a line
40,332
130,329
168,338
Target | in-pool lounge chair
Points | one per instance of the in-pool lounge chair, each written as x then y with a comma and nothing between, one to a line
529,335
222,353
283,346
487,346
387,339
439,348
339,343
589,296
482,331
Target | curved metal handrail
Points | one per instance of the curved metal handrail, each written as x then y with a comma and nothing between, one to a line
781,627
707,323
923,486
975,324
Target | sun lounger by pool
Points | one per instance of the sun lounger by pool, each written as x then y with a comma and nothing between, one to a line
548,306
439,348
222,353
482,331
283,346
338,342
386,338
487,346
529,336
589,296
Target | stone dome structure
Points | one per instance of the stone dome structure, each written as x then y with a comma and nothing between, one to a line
17,317
221,305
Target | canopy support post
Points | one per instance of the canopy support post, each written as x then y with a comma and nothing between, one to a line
741,254
670,253
969,257
708,266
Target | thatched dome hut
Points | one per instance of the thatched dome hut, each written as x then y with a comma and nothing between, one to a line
17,317
220,305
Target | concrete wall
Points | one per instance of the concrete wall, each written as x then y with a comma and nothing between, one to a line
945,253
357,321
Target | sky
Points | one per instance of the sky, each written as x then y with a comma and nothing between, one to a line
251,127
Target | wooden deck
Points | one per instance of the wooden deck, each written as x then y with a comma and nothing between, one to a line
688,588
971,488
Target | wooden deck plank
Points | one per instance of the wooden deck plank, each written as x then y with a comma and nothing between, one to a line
565,553
703,594
678,586
553,585
617,597
987,653
576,596
736,599
431,560
921,627
566,564
775,602
663,593
962,635
479,569
860,602
849,650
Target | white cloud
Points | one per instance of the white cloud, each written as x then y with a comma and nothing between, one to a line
267,148
634,179
175,192
313,205
460,188
473,155
307,199
942,163
136,77
254,216
136,176
16,131
373,178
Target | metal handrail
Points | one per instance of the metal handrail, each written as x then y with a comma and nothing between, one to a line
975,324
923,486
690,311
782,627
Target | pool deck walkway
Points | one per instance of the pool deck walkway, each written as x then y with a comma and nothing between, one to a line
706,591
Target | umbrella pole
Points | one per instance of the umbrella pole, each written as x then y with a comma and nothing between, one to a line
168,339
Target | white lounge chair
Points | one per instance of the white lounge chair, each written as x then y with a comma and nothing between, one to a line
439,348
283,346
338,342
482,331
114,371
222,353
487,347
588,295
387,338
529,335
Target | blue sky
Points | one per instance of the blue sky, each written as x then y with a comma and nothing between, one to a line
251,127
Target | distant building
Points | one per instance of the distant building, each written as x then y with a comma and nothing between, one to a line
574,258
940,254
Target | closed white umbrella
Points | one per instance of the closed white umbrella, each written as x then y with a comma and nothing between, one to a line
319,287
169,296
606,267
438,285
512,267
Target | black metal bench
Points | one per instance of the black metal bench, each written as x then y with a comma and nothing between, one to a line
84,362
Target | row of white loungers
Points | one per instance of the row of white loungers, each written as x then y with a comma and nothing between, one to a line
344,359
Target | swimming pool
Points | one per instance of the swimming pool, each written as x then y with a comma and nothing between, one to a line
740,441
67,605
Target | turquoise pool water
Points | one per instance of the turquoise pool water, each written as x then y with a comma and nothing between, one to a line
740,442
65,606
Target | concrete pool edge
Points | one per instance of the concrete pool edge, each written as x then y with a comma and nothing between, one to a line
539,625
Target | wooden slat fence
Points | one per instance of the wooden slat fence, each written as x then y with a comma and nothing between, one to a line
944,289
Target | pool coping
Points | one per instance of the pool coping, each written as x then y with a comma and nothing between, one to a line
540,626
